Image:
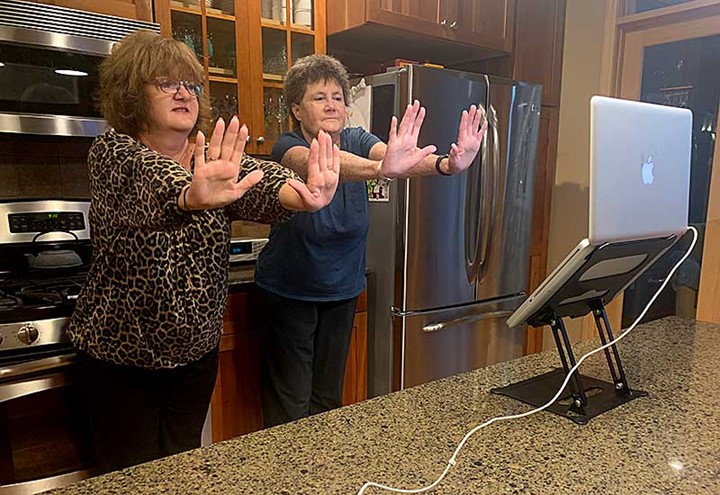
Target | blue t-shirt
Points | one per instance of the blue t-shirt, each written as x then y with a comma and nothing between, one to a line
320,256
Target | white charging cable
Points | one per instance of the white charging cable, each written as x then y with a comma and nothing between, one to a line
453,459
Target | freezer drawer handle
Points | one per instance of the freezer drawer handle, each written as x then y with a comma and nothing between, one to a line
436,327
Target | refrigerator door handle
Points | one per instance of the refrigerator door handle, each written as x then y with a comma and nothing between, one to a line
473,228
490,194
436,327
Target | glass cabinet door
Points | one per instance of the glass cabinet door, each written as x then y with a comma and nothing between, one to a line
210,29
287,33
683,73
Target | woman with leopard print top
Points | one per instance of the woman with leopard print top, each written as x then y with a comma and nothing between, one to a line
148,322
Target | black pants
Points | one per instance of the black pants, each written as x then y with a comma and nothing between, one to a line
304,347
137,415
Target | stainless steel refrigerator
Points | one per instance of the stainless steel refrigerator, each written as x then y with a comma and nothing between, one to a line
448,257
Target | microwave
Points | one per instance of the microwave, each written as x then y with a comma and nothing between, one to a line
49,62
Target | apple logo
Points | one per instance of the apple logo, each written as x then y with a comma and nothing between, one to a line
647,170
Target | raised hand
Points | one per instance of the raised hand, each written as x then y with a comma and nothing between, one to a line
470,137
402,153
215,181
323,173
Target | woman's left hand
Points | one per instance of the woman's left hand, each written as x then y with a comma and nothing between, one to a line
469,140
323,174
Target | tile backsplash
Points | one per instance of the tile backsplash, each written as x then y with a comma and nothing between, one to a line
39,167
43,167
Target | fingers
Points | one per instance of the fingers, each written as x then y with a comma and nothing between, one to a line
421,154
393,129
484,128
336,159
454,151
418,123
187,155
213,152
248,182
464,123
406,124
228,142
478,119
200,150
329,146
313,163
240,142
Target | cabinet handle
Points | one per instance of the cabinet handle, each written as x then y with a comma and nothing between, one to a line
260,140
248,139
454,25
443,23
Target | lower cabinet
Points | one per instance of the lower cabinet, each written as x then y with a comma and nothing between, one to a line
235,406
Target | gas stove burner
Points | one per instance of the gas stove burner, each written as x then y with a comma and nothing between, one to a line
9,303
51,292
31,293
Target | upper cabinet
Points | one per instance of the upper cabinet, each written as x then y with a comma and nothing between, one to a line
246,48
279,33
130,9
448,30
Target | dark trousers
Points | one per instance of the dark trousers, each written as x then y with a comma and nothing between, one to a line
304,347
137,415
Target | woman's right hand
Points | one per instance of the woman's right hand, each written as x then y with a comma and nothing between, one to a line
215,181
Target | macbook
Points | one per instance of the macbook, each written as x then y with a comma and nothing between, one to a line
639,187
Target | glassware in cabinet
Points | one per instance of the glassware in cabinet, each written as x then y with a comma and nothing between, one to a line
187,27
275,113
221,48
223,100
301,45
274,53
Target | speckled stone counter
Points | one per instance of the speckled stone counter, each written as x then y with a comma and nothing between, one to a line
667,443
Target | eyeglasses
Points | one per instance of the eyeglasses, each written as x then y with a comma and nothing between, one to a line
172,87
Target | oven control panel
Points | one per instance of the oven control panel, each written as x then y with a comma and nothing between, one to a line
44,221
51,221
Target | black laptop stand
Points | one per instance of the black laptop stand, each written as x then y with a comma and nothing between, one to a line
605,272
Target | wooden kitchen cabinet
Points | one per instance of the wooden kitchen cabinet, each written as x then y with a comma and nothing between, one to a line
246,48
467,29
236,407
538,52
355,385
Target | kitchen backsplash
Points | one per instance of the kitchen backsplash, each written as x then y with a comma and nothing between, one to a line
45,167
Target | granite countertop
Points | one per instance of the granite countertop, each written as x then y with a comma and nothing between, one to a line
667,443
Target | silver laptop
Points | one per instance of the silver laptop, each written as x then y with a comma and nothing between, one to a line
639,185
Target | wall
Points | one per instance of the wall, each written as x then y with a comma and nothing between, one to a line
581,78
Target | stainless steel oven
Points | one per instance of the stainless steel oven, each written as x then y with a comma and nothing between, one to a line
45,440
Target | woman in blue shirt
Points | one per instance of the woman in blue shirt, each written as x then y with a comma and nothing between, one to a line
313,269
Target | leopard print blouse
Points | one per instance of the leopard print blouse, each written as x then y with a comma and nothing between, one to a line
157,286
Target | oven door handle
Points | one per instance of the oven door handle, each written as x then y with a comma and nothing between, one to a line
14,390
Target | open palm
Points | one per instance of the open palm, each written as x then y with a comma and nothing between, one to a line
470,137
323,174
215,180
402,153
